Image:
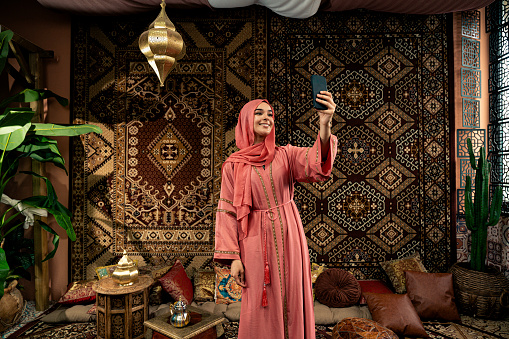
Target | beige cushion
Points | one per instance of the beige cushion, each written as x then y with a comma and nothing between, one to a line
356,311
74,314
323,314
233,311
157,310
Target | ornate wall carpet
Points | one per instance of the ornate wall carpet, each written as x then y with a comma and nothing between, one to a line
149,183
389,195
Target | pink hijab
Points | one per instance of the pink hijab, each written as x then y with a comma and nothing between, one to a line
249,155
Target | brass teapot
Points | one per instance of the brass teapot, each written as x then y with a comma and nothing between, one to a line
126,272
179,316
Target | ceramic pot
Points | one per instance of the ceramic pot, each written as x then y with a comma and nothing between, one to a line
11,306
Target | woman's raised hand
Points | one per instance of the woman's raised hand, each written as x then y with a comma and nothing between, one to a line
237,272
325,98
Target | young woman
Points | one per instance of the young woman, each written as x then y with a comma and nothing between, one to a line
258,228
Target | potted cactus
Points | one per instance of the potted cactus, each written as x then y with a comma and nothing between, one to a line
480,290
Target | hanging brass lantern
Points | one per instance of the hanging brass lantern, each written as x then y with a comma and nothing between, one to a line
162,45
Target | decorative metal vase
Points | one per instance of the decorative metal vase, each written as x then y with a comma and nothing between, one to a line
126,272
179,316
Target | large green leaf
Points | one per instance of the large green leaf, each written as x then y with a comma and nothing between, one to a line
51,204
10,141
60,212
14,119
5,37
9,168
63,130
56,240
31,95
4,271
42,149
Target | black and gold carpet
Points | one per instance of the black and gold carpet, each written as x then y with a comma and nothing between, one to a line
149,183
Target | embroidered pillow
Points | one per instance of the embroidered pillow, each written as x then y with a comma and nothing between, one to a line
79,292
156,271
395,270
316,270
177,284
227,291
204,285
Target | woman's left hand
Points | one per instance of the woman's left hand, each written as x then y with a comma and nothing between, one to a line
325,98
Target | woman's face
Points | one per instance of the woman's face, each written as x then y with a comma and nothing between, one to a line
263,122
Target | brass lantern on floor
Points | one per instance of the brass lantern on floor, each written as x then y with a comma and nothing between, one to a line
162,45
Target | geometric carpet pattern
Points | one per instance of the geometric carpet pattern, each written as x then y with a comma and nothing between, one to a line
389,195
149,183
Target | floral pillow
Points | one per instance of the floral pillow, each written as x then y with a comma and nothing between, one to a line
79,292
227,290
177,284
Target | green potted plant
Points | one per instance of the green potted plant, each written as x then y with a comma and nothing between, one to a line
20,138
480,290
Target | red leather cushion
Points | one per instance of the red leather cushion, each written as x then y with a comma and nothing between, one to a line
337,288
432,295
396,312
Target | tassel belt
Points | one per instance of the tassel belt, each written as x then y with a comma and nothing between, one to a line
271,215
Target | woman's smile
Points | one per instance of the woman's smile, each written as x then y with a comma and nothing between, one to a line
263,122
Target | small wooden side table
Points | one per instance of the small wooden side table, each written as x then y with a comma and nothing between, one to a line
121,311
202,326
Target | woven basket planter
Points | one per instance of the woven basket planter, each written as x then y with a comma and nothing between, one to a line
480,294
11,306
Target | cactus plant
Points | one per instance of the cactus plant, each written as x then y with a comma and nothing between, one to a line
480,213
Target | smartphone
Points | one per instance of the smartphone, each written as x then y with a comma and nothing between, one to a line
318,83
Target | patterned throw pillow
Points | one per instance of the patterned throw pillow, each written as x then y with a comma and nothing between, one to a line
354,328
79,292
157,271
395,270
316,270
204,285
227,290
177,284
92,310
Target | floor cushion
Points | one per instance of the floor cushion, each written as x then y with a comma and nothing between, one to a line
432,295
337,288
353,328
